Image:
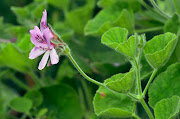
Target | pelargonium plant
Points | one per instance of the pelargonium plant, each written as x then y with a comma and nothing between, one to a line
122,87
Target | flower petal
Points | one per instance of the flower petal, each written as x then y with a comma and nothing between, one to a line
43,24
54,57
48,36
44,60
35,52
37,38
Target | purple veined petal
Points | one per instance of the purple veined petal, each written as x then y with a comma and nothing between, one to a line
43,24
54,57
44,60
35,52
37,38
47,36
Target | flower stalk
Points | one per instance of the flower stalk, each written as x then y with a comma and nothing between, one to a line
81,71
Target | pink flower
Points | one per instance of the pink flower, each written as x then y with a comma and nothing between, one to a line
41,39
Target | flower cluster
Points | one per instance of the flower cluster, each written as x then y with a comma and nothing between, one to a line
41,38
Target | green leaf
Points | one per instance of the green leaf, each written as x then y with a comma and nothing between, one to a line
173,24
177,6
112,104
62,29
63,4
116,38
125,20
167,108
77,18
88,52
42,112
1,22
134,4
25,43
159,49
6,95
167,6
65,70
165,85
14,58
121,83
30,14
62,101
21,104
116,15
35,96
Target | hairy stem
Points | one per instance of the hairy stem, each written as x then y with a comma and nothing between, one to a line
151,9
138,76
158,9
149,82
81,71
19,83
147,108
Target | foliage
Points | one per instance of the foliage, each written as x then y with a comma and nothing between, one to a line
126,44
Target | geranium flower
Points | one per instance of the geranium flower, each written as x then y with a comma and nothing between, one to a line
41,39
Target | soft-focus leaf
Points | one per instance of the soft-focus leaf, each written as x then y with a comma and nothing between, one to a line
21,104
1,22
6,95
121,83
173,24
134,4
159,49
116,38
115,15
63,30
62,101
112,104
25,43
88,51
65,70
167,6
77,18
29,15
177,5
35,96
167,108
63,4
42,112
14,58
165,85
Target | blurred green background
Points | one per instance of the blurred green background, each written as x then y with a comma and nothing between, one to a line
62,92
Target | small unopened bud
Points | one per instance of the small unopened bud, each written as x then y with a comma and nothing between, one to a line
141,40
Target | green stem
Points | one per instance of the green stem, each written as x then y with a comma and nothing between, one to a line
176,6
148,7
136,117
132,96
19,83
147,109
138,76
81,71
149,82
87,95
36,79
158,9
149,29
